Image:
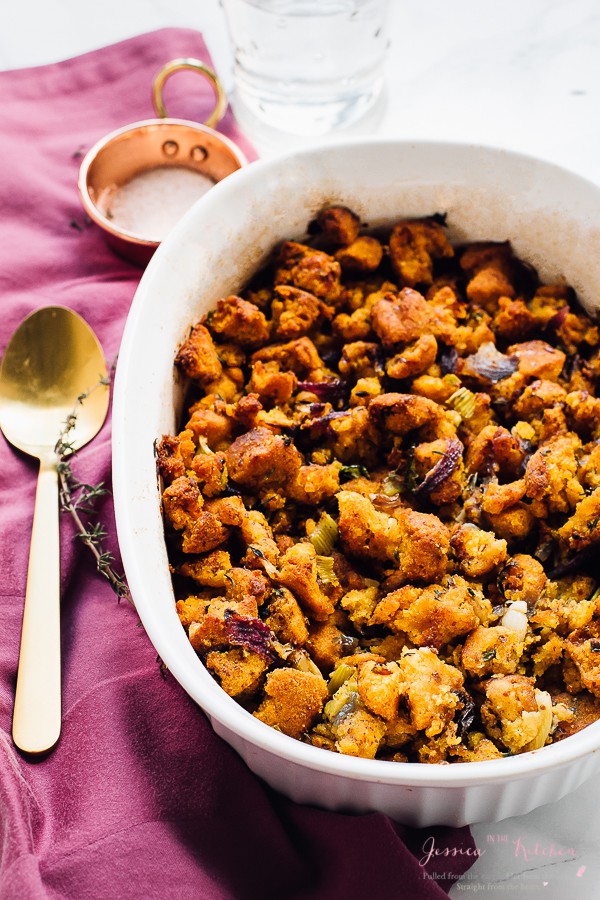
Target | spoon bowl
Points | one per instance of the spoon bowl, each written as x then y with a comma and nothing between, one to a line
53,367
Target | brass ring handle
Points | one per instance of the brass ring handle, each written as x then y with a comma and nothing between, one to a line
175,65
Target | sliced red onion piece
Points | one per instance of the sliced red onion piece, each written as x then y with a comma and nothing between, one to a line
558,319
448,360
442,469
383,501
582,560
488,363
321,427
330,391
244,631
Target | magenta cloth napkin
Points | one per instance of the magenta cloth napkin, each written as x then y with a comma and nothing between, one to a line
140,798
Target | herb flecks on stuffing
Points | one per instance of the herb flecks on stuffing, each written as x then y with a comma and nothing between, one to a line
383,508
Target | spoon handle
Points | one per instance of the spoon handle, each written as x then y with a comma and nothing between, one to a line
37,710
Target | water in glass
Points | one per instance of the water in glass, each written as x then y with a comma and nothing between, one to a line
307,66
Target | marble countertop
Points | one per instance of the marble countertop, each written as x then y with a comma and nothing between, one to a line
523,75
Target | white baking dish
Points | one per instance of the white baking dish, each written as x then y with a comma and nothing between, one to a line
552,218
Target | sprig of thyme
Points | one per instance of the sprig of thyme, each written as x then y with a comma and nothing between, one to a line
79,499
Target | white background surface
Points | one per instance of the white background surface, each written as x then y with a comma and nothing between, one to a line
521,74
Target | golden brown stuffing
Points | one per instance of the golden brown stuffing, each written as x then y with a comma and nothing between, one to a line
299,356
414,358
432,616
400,318
567,604
414,245
198,358
296,312
286,619
379,688
239,671
359,733
174,455
581,530
537,359
243,584
516,713
383,506
579,711
338,225
491,651
299,572
210,422
260,458
495,451
239,322
433,689
583,648
538,396
209,570
417,542
292,701
313,484
403,413
477,552
488,286
183,506
271,384
513,319
310,270
522,578
326,644
361,256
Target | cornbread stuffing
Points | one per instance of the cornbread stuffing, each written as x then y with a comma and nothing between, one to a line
383,508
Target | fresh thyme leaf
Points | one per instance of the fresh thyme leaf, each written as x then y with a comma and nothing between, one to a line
595,595
347,473
411,469
79,498
162,667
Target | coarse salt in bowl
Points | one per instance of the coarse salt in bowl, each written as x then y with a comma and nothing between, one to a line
552,218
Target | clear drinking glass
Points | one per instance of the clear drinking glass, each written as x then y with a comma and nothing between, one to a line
307,67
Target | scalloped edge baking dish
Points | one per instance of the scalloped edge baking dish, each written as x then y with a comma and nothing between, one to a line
552,217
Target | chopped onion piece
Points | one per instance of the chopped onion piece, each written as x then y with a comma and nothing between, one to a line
300,660
515,618
203,446
489,364
544,704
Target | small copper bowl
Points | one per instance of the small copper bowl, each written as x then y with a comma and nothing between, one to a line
152,144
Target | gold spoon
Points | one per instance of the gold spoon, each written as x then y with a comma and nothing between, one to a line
52,358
